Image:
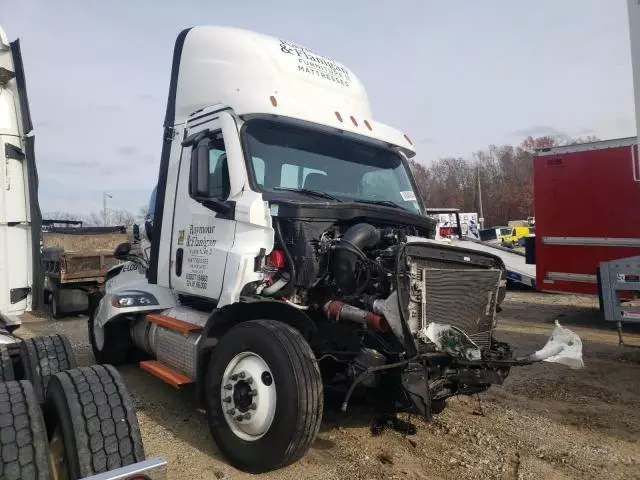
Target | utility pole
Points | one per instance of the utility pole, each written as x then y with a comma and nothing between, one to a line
480,213
104,207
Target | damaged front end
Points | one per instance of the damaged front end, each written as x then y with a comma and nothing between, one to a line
408,318
443,311
449,299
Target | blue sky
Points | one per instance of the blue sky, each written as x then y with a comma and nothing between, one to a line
457,75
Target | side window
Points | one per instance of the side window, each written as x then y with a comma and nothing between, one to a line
258,169
219,186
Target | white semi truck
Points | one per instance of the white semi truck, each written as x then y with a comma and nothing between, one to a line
57,421
290,254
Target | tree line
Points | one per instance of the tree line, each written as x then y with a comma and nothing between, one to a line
505,175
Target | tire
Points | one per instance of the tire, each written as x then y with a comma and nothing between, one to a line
43,357
93,412
297,389
116,346
56,309
438,406
23,437
6,365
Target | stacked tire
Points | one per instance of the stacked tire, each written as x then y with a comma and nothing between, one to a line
23,436
60,421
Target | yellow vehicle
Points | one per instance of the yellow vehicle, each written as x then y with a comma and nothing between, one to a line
510,236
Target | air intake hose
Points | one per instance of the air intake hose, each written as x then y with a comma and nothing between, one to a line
349,249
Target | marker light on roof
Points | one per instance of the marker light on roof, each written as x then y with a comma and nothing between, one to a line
274,102
338,116
354,120
366,122
408,139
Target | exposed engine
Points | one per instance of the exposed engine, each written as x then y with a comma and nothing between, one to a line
382,295
365,266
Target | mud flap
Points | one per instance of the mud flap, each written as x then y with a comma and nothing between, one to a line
417,388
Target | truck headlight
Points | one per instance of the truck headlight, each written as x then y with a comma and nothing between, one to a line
133,299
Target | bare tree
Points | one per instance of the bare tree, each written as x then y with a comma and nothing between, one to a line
143,213
506,178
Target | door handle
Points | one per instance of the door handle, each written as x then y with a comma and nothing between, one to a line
635,164
179,255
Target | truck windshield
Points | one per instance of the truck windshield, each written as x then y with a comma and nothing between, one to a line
292,158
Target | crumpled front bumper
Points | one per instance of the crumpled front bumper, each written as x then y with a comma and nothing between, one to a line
462,368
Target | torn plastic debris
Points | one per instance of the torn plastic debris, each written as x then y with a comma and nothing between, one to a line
564,346
450,339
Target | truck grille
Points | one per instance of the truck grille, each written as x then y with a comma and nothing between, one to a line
453,294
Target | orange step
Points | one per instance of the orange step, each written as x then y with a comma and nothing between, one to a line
172,323
166,374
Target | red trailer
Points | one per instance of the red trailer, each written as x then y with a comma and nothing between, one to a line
587,206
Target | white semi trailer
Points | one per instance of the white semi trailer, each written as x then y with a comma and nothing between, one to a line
20,275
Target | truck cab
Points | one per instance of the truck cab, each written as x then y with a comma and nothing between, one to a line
245,148
289,253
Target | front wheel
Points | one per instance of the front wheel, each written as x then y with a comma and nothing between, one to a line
111,344
264,395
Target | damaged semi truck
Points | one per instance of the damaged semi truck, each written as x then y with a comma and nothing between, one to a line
289,253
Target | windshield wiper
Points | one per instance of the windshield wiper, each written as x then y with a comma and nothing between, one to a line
311,193
385,203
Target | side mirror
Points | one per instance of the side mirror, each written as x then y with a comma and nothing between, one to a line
199,173
122,251
136,232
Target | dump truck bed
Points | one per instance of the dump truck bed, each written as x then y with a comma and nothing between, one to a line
74,255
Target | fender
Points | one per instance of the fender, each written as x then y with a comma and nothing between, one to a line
124,273
162,299
226,317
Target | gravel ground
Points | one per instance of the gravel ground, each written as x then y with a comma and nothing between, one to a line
546,421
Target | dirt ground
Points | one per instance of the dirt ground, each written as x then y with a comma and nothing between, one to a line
546,421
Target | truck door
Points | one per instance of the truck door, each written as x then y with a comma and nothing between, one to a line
203,226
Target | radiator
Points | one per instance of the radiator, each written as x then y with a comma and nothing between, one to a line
453,294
